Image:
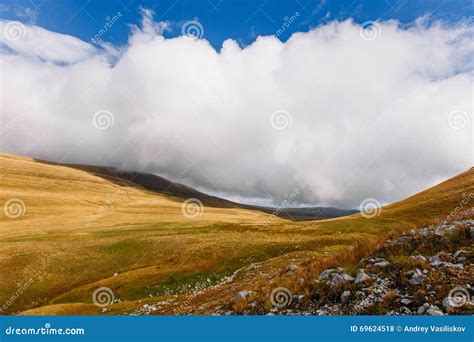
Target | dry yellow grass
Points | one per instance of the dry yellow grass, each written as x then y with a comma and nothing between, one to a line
78,230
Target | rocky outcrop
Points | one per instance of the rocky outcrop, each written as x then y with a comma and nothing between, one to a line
383,287
423,272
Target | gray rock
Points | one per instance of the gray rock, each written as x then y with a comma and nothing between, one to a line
434,311
377,260
434,259
417,278
424,231
461,259
420,257
422,309
345,296
292,268
326,273
405,301
459,253
450,265
244,294
448,303
340,279
382,264
361,277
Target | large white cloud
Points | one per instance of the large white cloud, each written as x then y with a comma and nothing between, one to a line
36,42
364,118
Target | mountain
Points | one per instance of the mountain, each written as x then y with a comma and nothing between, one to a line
164,186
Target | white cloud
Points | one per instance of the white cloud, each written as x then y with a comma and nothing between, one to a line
369,119
36,42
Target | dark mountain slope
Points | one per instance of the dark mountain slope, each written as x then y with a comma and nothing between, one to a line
162,185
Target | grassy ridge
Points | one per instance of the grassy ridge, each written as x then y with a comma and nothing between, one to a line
80,231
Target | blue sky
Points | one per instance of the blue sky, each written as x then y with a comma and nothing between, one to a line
241,20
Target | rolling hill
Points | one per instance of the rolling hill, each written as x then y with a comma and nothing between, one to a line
67,230
164,186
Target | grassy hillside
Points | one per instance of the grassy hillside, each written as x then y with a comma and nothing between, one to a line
164,186
438,202
79,232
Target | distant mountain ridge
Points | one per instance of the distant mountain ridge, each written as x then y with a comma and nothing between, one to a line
158,184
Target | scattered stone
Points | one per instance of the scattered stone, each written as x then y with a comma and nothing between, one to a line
417,278
424,231
460,253
405,301
340,279
292,268
448,303
450,265
378,260
345,296
434,311
361,277
420,258
422,309
461,259
361,298
326,273
382,264
244,294
115,274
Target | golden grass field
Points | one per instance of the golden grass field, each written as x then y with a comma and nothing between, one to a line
79,232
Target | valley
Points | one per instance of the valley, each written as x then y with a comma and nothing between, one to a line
77,230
